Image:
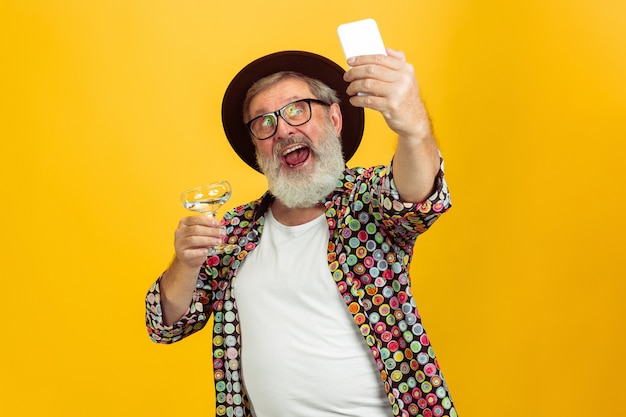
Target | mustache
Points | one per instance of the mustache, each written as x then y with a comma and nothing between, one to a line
293,140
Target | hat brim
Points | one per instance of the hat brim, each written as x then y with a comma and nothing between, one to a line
307,63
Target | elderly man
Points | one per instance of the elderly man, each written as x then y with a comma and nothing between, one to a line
313,309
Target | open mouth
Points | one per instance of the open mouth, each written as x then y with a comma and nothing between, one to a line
295,155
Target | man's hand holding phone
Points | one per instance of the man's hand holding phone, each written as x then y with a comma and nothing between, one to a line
381,79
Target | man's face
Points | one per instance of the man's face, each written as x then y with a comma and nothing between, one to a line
302,163
292,156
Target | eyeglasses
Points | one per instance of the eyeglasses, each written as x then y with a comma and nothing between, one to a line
296,113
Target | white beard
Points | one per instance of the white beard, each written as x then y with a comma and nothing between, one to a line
306,187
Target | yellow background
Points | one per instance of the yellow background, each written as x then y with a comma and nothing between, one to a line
110,108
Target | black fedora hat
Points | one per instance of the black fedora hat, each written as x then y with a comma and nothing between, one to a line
307,63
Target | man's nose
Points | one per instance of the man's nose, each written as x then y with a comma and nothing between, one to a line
283,129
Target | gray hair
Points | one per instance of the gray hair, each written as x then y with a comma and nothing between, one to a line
320,90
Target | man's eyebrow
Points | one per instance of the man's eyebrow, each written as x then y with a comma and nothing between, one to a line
263,110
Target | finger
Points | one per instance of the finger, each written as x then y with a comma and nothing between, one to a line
371,86
396,54
371,72
381,81
359,60
193,257
394,61
369,101
198,232
199,220
192,246
193,242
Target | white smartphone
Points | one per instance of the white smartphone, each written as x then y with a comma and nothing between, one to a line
360,38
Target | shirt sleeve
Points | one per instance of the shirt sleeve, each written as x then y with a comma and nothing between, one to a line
406,221
194,319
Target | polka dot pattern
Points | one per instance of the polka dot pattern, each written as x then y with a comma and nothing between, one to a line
372,234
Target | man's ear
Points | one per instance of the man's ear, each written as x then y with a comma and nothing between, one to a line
336,118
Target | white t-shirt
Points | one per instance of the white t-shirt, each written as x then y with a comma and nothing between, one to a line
302,353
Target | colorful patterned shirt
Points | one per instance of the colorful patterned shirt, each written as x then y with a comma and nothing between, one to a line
372,234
